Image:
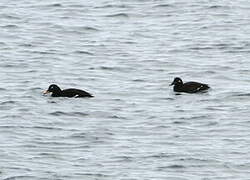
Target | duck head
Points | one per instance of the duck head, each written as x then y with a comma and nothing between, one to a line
177,81
54,89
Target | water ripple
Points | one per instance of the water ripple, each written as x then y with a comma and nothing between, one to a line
127,52
123,15
61,113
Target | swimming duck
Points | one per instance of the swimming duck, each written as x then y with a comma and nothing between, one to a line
57,92
188,87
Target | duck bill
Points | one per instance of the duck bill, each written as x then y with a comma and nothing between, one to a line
171,84
46,92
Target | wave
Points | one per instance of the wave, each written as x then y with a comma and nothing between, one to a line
61,113
118,15
84,52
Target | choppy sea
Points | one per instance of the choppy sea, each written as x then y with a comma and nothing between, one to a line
126,53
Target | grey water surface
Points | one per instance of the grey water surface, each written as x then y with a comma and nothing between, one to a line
126,53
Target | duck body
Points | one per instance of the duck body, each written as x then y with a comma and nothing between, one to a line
188,87
57,92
